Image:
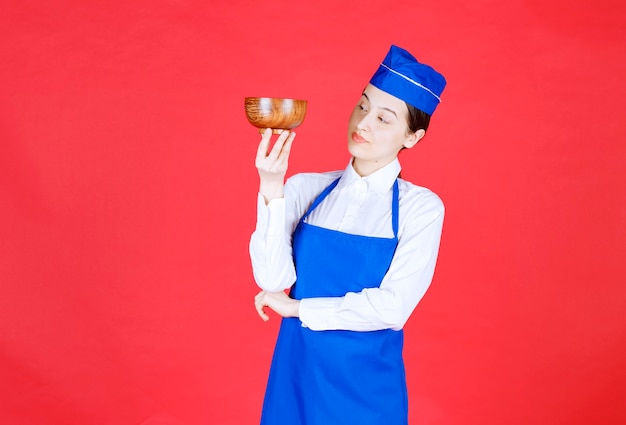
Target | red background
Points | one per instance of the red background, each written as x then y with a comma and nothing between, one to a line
127,197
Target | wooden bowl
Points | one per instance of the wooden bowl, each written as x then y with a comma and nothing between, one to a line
277,114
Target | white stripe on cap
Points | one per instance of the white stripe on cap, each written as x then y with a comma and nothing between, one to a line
412,81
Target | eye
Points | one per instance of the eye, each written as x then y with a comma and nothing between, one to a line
383,120
362,107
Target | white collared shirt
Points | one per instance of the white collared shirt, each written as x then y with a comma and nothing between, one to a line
362,206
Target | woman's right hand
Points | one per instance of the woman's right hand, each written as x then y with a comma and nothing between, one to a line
272,163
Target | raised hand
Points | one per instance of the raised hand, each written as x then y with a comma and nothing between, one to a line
272,163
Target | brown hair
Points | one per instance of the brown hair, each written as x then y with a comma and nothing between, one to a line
418,119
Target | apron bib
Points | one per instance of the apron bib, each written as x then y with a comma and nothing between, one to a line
337,377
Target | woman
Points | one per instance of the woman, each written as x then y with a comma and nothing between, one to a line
358,249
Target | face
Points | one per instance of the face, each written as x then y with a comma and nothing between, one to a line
377,130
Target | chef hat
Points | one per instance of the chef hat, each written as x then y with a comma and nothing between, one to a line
402,76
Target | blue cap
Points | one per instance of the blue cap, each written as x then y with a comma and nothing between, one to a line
402,76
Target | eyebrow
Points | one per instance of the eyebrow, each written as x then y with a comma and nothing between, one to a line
386,109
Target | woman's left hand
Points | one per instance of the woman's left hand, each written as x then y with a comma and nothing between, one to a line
277,301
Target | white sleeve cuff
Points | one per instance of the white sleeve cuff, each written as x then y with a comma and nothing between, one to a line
315,312
271,216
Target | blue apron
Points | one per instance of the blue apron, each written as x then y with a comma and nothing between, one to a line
337,377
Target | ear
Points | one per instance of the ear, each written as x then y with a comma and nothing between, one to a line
413,138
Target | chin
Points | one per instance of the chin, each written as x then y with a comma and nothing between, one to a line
353,148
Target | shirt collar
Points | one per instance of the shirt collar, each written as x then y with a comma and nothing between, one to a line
380,181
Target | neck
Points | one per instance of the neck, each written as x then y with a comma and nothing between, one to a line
365,168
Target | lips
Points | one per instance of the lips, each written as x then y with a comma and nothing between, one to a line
358,139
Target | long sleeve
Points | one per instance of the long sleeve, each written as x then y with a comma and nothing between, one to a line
270,247
270,243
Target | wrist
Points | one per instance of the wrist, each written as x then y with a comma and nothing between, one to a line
271,190
296,309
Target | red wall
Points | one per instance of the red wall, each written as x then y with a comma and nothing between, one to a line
127,196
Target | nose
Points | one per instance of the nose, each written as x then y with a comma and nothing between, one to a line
363,123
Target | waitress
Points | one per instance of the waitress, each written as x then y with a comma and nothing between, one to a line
358,249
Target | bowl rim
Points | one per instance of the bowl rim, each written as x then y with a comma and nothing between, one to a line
275,98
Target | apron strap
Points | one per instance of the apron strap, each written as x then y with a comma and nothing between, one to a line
320,198
395,207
